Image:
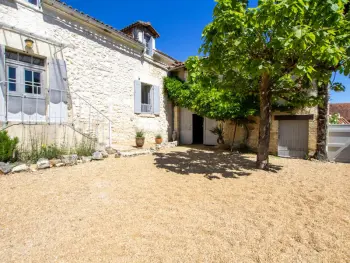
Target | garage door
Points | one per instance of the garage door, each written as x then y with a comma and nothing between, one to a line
293,138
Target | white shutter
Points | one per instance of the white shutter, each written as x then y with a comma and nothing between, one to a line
186,132
58,88
137,96
2,84
156,100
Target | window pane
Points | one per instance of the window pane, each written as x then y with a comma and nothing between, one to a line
28,75
34,2
11,55
145,95
25,58
12,73
37,90
38,61
12,86
36,77
28,89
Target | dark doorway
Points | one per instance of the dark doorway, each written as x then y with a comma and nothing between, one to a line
198,123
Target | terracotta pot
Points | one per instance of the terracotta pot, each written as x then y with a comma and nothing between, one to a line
159,140
140,142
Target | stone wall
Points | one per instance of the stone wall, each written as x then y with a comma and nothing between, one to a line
100,68
254,132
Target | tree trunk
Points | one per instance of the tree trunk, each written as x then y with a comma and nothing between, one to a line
265,122
234,136
322,123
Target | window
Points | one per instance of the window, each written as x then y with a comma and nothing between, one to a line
32,82
148,44
24,73
146,102
34,2
11,77
10,55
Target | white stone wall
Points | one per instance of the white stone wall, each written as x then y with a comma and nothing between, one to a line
100,68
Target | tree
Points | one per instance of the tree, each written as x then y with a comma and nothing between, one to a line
209,95
326,67
278,43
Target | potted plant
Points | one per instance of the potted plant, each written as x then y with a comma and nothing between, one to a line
159,139
140,138
219,131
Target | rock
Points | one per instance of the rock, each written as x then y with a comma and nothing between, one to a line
54,162
60,164
33,168
104,154
79,162
97,156
69,159
43,163
110,150
5,168
86,159
117,154
20,168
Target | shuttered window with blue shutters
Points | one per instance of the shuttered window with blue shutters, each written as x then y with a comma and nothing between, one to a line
146,98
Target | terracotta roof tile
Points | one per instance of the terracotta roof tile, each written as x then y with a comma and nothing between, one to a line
142,23
342,108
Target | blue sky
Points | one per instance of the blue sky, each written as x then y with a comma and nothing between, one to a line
180,24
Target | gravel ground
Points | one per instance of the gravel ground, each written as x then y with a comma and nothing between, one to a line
183,205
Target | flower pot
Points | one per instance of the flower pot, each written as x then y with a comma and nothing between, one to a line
140,142
159,140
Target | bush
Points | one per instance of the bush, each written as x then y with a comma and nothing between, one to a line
85,148
7,147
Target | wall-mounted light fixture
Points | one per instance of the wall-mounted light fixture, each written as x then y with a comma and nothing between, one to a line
29,43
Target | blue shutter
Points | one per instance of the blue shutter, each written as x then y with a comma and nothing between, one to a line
137,96
2,84
58,88
156,100
151,46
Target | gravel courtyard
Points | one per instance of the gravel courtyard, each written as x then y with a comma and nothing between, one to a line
182,205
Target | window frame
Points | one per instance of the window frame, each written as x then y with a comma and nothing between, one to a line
20,77
151,100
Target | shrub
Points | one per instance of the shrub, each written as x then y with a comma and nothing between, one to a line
158,136
85,148
7,147
140,134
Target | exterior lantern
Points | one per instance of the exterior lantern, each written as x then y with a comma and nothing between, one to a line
29,43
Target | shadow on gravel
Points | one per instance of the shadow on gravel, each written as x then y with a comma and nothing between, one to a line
212,163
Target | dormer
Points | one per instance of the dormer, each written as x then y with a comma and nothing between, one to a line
143,32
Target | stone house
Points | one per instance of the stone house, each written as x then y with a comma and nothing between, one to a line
292,135
68,73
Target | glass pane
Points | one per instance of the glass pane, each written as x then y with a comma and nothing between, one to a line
34,2
25,58
11,55
36,77
28,75
28,89
37,90
12,86
38,61
145,94
12,73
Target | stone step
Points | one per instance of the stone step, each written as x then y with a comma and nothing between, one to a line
133,153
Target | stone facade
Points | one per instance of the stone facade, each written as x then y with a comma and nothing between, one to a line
101,67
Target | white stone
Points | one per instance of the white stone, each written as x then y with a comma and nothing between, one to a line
97,156
43,163
86,159
20,168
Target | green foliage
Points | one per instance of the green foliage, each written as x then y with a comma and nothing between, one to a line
7,147
158,136
85,148
334,118
290,40
140,134
219,131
